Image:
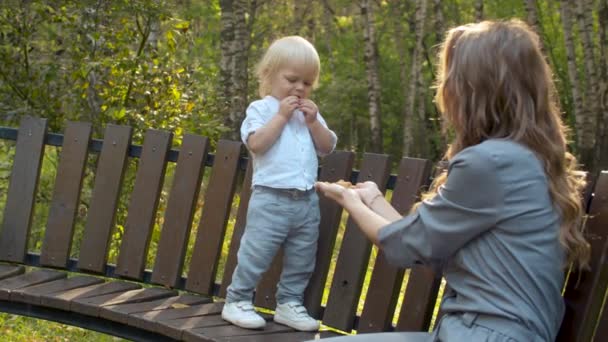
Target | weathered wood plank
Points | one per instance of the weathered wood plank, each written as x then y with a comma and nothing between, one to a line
295,336
7,271
238,230
28,279
216,210
354,255
21,195
150,320
386,279
229,331
180,210
92,305
143,204
32,294
121,312
175,328
106,191
66,195
63,299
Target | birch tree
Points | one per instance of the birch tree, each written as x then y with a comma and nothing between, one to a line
235,41
373,80
478,10
590,99
577,101
408,115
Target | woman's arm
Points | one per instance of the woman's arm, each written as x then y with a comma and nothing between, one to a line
370,219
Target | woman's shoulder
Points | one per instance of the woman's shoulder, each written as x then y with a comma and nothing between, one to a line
502,155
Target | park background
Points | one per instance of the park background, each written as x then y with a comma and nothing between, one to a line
187,66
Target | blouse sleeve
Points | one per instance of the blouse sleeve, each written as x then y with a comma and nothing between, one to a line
466,205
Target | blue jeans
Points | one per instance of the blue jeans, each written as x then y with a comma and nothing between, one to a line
277,218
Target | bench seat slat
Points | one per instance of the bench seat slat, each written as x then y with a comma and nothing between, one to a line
281,337
224,331
63,299
121,312
216,210
32,294
92,305
7,271
104,202
21,195
386,279
238,230
66,195
27,279
175,328
354,255
182,201
296,336
143,204
149,320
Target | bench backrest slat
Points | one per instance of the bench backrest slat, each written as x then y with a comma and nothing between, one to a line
585,290
216,210
354,255
104,202
181,204
143,204
386,279
238,230
25,173
66,195
336,166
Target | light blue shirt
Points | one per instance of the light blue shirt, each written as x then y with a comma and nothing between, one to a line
494,229
291,162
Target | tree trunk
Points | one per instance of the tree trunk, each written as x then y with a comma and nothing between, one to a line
533,20
578,110
240,60
226,61
373,81
478,10
591,99
601,151
409,116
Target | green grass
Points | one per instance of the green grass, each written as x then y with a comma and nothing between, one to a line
15,328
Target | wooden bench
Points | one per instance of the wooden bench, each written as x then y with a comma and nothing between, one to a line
126,299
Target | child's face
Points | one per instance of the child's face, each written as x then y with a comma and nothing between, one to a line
292,80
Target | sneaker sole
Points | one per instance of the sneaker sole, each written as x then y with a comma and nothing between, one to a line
289,324
245,325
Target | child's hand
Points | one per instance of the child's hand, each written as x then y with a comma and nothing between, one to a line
309,109
288,105
367,191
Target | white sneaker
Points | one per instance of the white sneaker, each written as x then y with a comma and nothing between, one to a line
295,315
243,314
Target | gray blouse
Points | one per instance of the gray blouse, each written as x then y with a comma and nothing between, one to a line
493,230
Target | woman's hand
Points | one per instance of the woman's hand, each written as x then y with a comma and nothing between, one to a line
343,196
368,192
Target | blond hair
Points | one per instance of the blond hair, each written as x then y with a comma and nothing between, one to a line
285,51
493,82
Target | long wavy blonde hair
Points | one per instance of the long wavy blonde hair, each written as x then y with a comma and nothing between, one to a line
493,82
